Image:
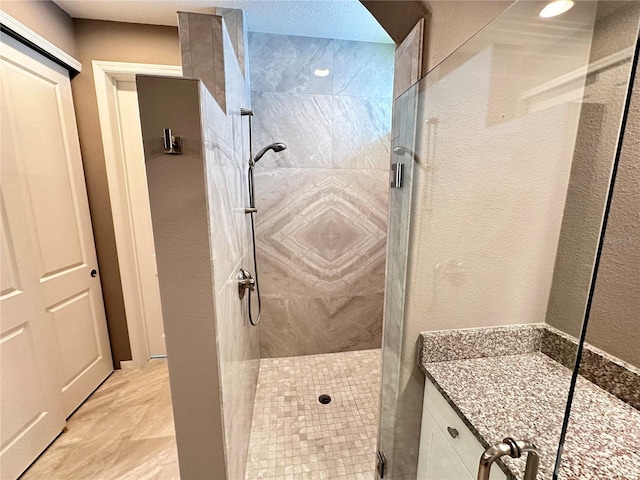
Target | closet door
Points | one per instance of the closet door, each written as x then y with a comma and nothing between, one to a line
30,400
53,336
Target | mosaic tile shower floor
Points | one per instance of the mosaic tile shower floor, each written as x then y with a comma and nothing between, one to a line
294,437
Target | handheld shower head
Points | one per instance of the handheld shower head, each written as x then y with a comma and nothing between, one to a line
276,147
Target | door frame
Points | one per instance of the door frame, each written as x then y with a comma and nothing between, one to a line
106,75
38,43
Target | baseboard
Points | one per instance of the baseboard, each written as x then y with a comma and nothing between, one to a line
127,365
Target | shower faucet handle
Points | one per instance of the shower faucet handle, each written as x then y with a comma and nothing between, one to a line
245,281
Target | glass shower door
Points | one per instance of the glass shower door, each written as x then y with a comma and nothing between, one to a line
515,138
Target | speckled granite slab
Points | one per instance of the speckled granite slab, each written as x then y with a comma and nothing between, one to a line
608,372
445,345
611,374
524,396
514,381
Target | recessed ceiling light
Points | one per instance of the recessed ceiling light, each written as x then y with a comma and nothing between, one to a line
555,8
321,72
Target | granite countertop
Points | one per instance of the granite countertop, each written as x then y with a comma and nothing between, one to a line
524,396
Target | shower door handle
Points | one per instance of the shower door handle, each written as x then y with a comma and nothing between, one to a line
515,449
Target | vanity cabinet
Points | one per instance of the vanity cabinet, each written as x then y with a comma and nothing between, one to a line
448,450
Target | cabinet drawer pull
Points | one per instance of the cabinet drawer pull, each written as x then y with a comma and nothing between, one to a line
452,431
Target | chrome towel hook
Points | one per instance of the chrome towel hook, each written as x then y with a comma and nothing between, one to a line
172,145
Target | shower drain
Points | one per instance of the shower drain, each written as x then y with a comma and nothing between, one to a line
324,399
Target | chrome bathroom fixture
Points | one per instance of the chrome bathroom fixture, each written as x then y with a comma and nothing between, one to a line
397,168
172,145
515,449
245,281
396,174
250,210
276,147
400,150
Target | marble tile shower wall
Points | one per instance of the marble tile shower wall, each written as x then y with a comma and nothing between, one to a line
322,203
226,152
238,342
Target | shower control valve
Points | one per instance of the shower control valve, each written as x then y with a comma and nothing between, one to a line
245,281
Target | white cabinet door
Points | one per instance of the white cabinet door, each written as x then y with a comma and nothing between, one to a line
443,456
55,347
437,459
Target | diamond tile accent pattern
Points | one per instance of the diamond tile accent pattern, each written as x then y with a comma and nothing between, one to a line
294,436
322,203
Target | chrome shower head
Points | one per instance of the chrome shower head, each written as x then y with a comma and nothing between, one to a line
276,147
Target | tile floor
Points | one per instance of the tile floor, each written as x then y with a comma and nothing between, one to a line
124,431
294,437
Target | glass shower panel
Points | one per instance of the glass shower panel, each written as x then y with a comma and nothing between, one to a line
506,130
612,50
402,155
606,400
496,132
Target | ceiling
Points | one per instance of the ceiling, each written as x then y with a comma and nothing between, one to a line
341,19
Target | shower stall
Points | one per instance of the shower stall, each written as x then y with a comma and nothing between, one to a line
497,340
231,203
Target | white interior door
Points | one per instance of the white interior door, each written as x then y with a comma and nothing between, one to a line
47,225
137,193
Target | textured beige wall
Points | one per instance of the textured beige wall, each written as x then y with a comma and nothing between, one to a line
616,305
120,42
397,17
453,22
614,325
46,19
449,23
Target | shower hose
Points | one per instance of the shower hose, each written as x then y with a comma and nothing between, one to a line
255,259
